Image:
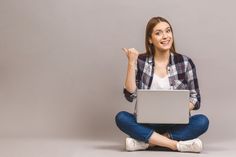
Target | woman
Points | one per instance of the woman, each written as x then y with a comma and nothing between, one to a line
161,68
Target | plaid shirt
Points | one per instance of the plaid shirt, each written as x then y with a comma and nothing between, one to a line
181,74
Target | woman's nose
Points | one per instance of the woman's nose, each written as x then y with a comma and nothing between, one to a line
164,35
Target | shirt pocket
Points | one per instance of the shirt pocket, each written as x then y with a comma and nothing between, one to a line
180,84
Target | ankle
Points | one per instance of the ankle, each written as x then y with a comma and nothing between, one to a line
174,146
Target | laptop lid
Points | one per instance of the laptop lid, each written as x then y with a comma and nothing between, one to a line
163,106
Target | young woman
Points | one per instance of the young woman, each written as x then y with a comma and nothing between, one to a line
161,67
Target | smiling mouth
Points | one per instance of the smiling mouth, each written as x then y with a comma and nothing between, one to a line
165,42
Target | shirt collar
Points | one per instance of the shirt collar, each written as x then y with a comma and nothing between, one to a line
150,59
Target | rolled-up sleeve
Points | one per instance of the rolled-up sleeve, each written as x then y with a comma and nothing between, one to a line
193,86
129,96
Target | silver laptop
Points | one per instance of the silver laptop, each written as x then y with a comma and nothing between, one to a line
163,106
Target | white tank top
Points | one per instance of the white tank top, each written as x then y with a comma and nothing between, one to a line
160,83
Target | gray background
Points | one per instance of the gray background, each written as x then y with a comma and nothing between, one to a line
62,69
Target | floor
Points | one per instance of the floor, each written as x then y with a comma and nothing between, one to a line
82,148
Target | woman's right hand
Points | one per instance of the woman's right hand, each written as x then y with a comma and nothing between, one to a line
132,55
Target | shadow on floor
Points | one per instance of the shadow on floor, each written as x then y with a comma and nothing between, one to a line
121,148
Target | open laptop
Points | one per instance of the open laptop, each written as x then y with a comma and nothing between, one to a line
163,106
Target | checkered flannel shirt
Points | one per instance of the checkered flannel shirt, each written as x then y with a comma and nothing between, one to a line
181,73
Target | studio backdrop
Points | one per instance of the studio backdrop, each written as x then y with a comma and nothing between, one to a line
62,70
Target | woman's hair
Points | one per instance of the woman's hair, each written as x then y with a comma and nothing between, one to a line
149,29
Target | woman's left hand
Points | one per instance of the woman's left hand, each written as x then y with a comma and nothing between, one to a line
191,106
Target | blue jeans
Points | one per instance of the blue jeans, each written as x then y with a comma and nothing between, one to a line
126,122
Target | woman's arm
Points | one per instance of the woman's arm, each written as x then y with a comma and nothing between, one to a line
130,81
130,78
191,76
132,55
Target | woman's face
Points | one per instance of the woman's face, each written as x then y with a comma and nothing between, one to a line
162,37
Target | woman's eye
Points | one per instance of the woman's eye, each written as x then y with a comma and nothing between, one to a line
168,31
158,33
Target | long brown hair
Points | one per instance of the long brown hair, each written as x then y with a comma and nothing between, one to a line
149,29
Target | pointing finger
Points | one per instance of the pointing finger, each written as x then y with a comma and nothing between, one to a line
125,50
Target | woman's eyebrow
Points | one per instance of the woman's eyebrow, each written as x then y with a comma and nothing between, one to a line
157,30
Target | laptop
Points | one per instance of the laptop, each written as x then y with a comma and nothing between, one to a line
163,106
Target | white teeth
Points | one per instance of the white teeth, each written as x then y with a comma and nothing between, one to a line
165,42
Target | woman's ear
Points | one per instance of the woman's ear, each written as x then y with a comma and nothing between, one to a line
150,40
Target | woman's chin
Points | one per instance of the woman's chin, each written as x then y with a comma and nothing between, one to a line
164,49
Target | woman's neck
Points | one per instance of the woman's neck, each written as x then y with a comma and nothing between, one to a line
162,56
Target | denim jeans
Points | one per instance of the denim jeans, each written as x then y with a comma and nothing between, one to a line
126,122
